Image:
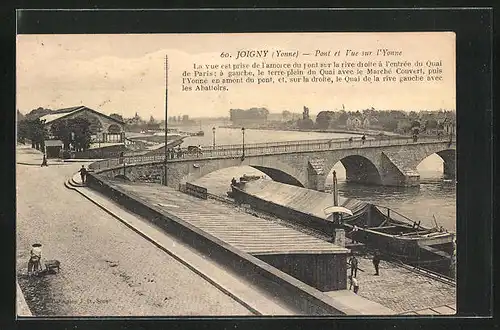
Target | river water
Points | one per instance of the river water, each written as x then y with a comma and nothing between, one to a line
434,198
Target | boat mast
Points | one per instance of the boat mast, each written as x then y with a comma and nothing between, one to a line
335,191
336,216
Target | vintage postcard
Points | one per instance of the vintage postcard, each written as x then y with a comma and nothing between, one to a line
236,174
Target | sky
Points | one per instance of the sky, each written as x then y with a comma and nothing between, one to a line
125,74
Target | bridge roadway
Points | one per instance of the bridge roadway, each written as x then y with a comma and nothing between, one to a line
272,148
387,161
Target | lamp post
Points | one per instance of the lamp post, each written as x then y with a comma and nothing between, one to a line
213,131
99,130
166,116
243,135
42,143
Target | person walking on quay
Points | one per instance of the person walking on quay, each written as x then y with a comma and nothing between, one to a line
354,265
363,138
353,284
83,174
376,261
44,161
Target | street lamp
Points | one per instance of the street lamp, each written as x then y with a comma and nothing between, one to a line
243,134
42,142
99,130
213,131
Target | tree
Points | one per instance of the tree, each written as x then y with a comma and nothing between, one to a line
306,123
61,131
414,124
390,125
35,131
82,135
152,124
431,124
38,112
75,131
19,116
342,120
23,131
117,116
324,119
286,115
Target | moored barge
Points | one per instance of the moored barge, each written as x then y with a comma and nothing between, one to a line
380,228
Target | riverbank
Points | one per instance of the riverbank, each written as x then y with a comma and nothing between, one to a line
341,131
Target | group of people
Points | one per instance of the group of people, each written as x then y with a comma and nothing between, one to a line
174,153
353,262
179,153
363,139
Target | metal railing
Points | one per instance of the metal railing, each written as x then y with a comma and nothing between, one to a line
260,149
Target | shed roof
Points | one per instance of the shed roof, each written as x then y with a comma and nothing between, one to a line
53,143
60,113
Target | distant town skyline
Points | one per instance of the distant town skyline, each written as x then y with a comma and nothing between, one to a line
125,74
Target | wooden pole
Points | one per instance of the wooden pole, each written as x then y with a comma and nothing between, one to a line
336,216
166,116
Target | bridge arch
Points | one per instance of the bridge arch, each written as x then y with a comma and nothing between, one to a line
275,169
358,169
448,156
279,175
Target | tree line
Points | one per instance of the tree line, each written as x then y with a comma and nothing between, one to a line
388,120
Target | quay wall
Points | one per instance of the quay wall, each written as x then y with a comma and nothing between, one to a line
291,291
326,272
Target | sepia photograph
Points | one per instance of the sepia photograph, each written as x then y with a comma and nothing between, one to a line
236,174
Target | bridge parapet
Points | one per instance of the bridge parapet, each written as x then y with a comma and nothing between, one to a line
385,162
260,149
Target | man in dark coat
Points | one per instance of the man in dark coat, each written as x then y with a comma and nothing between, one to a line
354,265
376,261
83,173
44,161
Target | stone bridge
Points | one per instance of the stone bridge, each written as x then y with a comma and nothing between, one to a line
390,162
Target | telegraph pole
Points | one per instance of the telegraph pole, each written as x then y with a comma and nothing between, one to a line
166,116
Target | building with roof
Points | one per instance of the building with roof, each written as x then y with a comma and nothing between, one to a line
354,122
104,129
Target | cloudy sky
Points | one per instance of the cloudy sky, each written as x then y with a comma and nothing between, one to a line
125,73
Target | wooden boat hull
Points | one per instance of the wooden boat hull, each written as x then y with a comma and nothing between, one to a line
421,246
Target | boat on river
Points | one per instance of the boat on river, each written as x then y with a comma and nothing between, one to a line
377,227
